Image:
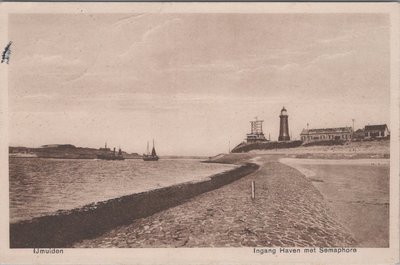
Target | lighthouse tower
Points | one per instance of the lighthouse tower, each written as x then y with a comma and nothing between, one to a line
284,126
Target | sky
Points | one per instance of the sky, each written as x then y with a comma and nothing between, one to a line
192,82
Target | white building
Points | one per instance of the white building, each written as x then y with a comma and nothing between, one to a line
326,134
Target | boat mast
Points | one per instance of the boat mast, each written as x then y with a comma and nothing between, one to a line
153,151
148,151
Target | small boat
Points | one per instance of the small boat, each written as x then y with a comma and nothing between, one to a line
150,156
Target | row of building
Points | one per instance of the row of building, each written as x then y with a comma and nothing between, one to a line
345,133
320,134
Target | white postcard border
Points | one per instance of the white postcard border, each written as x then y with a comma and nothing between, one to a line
202,255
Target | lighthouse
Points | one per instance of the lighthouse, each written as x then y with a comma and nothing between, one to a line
284,126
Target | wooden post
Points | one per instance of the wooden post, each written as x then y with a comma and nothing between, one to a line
253,190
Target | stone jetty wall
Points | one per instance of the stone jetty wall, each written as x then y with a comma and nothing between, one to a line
246,147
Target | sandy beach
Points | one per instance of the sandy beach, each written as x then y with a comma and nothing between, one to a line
356,190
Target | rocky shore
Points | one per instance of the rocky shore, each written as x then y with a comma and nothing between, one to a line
287,211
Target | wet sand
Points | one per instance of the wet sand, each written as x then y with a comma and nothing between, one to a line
357,191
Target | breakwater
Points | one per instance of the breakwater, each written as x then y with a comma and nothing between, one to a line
90,221
246,147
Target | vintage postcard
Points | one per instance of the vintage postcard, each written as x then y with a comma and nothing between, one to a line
199,133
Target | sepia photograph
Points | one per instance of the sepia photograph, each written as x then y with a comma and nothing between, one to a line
219,128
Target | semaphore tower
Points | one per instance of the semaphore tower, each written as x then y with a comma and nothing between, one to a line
256,134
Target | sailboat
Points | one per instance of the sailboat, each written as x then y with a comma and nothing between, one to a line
150,156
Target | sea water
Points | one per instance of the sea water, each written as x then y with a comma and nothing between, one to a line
41,186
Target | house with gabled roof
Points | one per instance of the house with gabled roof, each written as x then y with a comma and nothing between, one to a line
376,131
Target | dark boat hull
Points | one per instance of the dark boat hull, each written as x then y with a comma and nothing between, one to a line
150,158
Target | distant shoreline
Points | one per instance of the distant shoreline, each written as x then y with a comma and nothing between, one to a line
135,158
65,151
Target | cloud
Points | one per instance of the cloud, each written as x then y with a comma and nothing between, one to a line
349,33
328,57
163,28
127,20
52,60
150,36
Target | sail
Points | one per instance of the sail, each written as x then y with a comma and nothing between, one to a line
150,156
